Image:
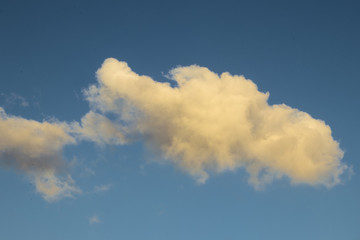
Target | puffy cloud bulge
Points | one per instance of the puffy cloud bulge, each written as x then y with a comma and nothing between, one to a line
35,148
212,123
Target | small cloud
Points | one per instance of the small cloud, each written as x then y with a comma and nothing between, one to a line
94,219
89,171
53,188
15,99
35,149
102,188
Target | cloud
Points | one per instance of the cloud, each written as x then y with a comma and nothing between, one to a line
207,124
100,129
94,219
212,123
53,187
102,188
15,99
35,148
88,172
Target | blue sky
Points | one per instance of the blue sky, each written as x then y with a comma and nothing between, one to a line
65,175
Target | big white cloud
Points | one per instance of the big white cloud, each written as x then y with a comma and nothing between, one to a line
213,123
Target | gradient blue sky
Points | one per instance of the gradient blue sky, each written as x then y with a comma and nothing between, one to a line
305,53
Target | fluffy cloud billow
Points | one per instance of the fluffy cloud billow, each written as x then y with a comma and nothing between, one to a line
213,123
34,148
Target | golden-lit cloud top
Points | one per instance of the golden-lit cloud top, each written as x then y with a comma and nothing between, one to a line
213,123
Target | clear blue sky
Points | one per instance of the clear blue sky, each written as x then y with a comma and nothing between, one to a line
306,54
